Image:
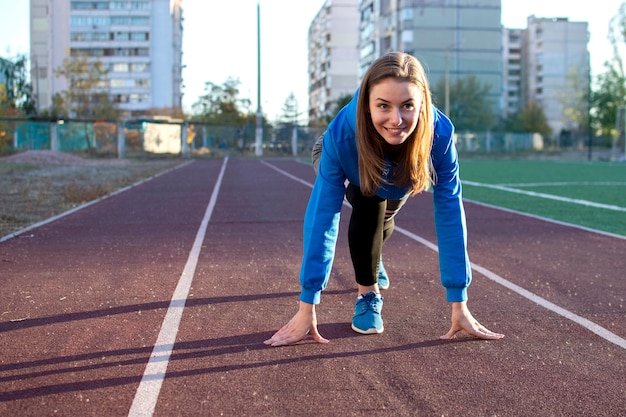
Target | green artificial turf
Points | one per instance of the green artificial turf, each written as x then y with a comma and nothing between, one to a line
603,183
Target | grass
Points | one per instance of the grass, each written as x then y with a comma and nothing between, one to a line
31,193
596,182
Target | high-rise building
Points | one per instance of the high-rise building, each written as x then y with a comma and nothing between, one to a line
333,56
138,41
452,38
555,72
512,71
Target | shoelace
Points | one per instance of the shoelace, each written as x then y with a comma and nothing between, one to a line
369,302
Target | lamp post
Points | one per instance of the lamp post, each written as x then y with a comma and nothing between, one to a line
447,84
259,113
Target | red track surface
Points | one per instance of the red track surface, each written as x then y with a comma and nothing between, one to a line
84,297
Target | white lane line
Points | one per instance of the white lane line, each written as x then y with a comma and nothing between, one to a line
148,391
286,174
547,196
587,324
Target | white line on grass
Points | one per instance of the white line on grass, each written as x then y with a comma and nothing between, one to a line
150,385
547,196
566,184
587,324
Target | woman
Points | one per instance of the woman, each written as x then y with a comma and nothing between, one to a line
389,143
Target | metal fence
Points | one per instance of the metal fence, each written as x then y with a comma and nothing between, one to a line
145,138
151,138
507,144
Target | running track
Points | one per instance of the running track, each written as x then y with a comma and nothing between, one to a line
156,301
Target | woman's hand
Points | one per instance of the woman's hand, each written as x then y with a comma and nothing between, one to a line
303,324
463,321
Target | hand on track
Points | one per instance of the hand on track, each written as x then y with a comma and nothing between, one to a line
463,321
301,326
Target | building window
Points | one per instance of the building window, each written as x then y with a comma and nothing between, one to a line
89,5
139,98
407,14
121,36
130,5
120,67
367,50
121,82
139,36
89,36
139,67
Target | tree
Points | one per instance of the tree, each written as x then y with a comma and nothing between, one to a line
341,102
175,112
86,96
290,110
470,110
607,98
221,104
610,93
531,119
15,94
227,114
574,98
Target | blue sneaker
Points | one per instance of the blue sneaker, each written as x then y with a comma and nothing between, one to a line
367,318
383,278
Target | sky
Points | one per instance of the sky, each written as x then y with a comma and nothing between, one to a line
220,41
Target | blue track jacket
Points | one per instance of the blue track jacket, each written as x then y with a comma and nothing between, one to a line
339,161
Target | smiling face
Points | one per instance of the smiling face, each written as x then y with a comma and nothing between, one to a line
394,107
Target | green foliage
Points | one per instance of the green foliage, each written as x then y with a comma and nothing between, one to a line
86,96
290,110
609,96
221,105
531,119
610,93
341,103
575,101
15,90
470,110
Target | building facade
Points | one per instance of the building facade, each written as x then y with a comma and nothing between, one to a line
451,38
555,71
546,63
333,59
512,71
138,41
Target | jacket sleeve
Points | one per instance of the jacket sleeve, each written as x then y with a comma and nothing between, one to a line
321,223
454,264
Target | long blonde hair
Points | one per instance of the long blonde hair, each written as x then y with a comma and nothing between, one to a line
414,164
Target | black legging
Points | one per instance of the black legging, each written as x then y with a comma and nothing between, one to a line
371,224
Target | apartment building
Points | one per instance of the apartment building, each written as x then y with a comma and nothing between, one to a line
546,63
138,41
333,56
512,71
452,38
555,71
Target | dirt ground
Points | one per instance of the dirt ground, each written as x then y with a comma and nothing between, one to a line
35,185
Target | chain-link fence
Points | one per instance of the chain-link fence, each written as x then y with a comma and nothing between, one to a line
507,144
146,138
143,138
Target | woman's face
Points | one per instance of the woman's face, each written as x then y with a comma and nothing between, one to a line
395,107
